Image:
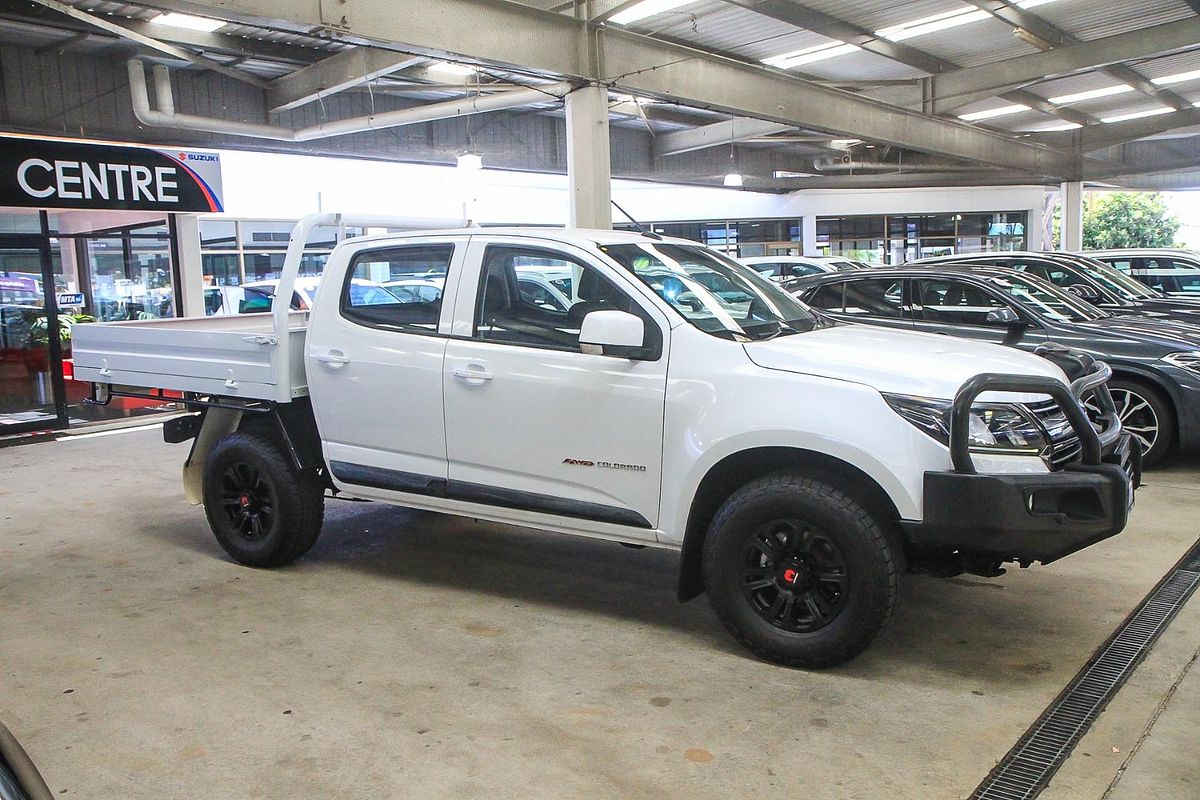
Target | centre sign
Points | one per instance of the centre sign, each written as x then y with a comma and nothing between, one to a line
48,173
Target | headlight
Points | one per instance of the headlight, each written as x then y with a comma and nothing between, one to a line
994,427
1189,360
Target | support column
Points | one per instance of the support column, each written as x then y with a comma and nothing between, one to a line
1071,195
808,235
589,170
191,269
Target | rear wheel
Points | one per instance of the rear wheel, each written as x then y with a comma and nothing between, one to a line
262,509
799,572
1146,414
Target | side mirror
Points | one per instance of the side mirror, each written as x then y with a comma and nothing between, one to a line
19,778
613,333
1002,316
1084,291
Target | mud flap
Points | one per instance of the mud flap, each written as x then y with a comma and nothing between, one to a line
218,423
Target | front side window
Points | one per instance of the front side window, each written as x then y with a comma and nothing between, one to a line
716,294
534,297
397,288
954,302
1046,300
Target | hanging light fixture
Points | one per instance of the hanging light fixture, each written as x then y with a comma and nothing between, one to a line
733,177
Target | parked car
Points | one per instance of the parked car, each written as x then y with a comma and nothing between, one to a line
258,296
1175,273
221,300
1091,280
781,268
486,405
1156,363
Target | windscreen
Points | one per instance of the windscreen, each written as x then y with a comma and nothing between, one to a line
1046,299
717,295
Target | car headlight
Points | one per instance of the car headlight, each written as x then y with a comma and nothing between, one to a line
994,427
1189,360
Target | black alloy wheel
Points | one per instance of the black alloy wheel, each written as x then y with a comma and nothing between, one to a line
801,573
263,510
794,576
247,500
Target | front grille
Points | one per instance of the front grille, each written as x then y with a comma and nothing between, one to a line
1065,446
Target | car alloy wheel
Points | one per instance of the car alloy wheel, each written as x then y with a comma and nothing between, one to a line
1136,413
794,576
247,500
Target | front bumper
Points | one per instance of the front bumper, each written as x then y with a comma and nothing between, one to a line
1029,517
1033,516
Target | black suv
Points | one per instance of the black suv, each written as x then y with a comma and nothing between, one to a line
1156,363
1094,281
1175,273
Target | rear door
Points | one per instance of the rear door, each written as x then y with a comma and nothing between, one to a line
532,422
374,365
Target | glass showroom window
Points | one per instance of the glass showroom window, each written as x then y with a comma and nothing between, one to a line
235,252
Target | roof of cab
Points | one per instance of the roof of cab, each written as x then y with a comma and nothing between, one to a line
586,237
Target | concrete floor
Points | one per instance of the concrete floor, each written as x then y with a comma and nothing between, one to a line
414,655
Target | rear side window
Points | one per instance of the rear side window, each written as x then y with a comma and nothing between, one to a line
957,302
874,298
397,288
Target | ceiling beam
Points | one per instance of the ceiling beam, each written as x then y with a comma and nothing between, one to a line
344,70
827,25
954,89
716,134
532,40
151,42
1114,133
1021,20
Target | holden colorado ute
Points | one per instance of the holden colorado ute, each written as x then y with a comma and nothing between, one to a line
670,397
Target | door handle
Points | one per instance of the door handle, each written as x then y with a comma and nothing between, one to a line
480,374
334,358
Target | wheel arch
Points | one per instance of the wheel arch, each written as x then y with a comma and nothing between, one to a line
737,469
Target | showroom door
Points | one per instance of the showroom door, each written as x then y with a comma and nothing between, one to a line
31,378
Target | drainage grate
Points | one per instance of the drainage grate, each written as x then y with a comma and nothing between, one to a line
1037,755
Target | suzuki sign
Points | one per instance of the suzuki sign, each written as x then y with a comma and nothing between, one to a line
61,174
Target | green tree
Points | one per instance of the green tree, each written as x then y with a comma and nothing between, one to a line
1127,219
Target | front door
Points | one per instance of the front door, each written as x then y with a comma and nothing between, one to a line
374,363
534,423
32,340
968,311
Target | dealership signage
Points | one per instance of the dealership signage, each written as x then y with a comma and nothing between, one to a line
46,173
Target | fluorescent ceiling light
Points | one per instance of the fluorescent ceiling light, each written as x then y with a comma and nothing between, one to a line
447,68
844,144
810,54
177,20
786,173
733,179
1002,111
937,22
944,20
647,8
1178,77
1151,112
1091,94
1066,126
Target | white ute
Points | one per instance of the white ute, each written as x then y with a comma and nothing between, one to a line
681,401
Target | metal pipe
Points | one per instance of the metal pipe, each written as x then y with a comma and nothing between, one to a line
162,89
166,117
838,165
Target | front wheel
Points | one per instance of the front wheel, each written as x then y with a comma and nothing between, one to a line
1146,414
799,572
263,511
